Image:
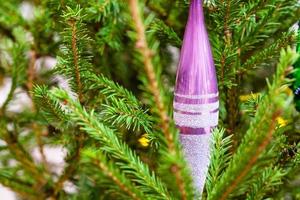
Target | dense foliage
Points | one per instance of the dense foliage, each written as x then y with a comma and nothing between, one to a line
113,117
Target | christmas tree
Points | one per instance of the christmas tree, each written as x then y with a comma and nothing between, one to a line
96,80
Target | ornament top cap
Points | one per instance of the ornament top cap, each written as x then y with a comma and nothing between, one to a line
196,70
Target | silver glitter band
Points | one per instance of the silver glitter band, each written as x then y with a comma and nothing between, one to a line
196,121
208,107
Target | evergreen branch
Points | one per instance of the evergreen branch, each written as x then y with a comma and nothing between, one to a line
252,8
227,31
11,16
229,58
292,169
18,72
74,62
31,70
165,33
23,188
105,4
110,88
98,159
258,29
266,164
75,55
103,10
250,107
268,179
113,146
54,113
247,18
245,34
50,108
220,157
146,53
121,114
157,8
123,108
259,134
254,158
21,155
263,57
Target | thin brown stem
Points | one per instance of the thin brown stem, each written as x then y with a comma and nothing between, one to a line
146,53
233,92
76,57
227,31
153,84
86,120
253,160
108,173
31,70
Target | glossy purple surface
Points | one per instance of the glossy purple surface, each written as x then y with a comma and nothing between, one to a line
196,71
196,82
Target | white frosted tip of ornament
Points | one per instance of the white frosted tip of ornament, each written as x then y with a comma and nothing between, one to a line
202,96
196,121
196,149
208,107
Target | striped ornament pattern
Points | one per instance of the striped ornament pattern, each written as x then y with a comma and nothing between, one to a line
196,118
196,97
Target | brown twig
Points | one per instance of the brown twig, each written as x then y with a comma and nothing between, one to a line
75,55
253,160
231,93
108,173
31,70
146,53
227,31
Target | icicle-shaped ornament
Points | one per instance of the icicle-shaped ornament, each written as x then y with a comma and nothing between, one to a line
196,101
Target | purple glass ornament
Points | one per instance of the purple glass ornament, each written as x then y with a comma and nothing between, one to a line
196,100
